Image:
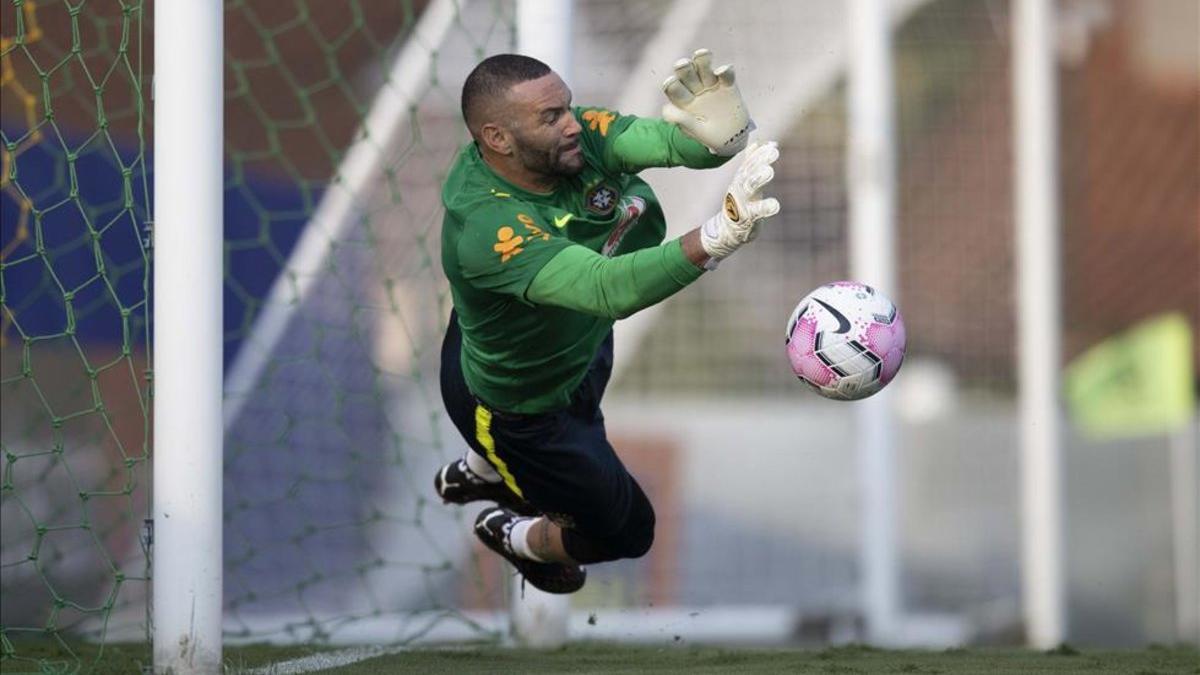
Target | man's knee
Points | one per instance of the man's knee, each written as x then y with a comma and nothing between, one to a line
633,540
639,536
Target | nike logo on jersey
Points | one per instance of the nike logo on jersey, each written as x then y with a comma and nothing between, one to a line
843,322
561,221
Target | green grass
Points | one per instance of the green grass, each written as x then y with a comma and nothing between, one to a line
610,658
693,660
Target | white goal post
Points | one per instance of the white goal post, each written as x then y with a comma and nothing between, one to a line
187,339
1035,180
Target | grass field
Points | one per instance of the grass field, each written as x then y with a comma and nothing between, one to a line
614,658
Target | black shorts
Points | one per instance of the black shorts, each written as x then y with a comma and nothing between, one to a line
560,461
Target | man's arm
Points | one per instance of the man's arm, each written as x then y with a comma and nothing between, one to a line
693,249
705,122
580,279
647,143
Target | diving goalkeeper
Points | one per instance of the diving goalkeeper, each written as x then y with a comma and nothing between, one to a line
549,237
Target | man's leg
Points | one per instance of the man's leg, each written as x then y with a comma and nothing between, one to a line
495,528
543,540
547,540
471,478
563,465
595,510
540,538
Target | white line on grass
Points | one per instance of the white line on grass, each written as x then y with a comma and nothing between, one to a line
315,662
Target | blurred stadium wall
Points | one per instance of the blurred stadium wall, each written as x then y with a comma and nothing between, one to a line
330,522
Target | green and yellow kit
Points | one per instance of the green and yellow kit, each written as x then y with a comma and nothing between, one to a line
538,279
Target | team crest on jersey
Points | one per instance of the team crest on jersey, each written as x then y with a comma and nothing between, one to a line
601,199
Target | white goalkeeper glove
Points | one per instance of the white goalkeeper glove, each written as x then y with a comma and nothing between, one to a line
744,205
707,105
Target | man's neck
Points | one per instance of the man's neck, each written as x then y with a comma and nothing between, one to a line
518,175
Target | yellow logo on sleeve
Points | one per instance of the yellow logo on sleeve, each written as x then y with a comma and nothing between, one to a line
599,119
510,243
561,221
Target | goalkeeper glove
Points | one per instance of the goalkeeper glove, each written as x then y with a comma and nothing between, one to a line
707,105
744,205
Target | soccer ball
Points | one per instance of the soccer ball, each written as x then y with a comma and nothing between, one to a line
846,340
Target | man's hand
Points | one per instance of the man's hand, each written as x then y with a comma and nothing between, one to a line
707,105
744,205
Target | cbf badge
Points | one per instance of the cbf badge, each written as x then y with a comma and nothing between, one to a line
601,200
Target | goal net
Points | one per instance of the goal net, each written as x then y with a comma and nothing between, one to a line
341,120
74,364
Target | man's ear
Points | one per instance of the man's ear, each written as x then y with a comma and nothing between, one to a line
496,138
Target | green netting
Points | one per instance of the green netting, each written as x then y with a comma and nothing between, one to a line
74,360
332,444
336,423
336,427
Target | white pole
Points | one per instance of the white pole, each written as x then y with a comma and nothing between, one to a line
1037,227
544,32
1185,506
188,195
872,186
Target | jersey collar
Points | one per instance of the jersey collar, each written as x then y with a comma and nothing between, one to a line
505,186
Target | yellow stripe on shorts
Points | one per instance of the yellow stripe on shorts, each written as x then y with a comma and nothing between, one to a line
483,434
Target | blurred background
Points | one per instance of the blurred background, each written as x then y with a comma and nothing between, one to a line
334,424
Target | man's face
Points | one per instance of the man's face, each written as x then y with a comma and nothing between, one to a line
545,133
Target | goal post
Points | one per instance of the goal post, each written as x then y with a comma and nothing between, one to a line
871,183
1039,335
187,338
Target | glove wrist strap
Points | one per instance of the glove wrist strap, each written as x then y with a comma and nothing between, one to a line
712,241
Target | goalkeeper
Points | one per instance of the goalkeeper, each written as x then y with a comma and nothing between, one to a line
549,237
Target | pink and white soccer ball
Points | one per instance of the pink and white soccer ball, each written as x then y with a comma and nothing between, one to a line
846,340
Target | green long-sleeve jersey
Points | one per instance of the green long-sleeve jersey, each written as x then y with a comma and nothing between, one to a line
537,279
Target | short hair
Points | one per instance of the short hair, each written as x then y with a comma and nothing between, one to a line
492,78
